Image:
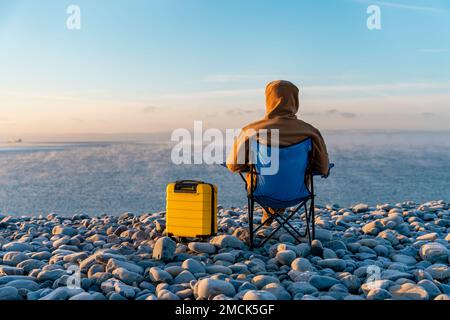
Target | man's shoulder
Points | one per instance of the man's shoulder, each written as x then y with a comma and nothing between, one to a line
309,126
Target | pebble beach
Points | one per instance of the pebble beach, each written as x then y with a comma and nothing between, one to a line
390,251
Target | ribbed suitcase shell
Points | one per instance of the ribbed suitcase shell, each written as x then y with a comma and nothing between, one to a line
190,213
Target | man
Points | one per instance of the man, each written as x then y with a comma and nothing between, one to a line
282,104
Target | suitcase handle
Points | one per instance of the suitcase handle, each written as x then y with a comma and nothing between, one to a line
188,186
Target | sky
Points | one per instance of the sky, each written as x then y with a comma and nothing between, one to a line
156,65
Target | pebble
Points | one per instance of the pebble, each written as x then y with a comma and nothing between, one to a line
227,241
430,287
184,277
194,266
261,280
128,277
335,264
17,246
158,275
258,295
201,247
408,291
323,282
434,252
164,249
316,248
14,258
207,288
302,287
378,294
439,271
301,265
402,258
9,293
285,257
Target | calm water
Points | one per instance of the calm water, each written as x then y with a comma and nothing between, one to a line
113,178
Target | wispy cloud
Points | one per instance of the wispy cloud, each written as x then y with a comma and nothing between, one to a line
233,78
332,113
149,109
397,5
433,50
242,112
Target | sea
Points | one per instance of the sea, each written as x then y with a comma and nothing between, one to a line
113,177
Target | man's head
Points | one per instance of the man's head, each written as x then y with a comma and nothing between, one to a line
281,99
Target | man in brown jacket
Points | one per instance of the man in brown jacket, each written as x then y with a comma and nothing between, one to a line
282,104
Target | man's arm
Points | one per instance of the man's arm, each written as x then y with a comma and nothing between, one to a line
320,160
238,158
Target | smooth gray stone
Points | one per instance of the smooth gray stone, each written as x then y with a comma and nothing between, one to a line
159,275
13,258
17,246
127,276
395,275
164,249
323,282
378,294
51,275
30,264
335,264
434,252
316,248
9,293
213,269
65,230
194,266
258,295
61,293
278,291
207,288
409,291
302,287
262,280
7,279
401,258
285,257
83,296
431,288
10,271
115,264
24,284
301,265
438,271
201,247
227,241
167,295
184,277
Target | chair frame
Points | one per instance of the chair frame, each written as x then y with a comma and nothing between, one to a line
283,222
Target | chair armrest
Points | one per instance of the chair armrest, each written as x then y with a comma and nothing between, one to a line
331,166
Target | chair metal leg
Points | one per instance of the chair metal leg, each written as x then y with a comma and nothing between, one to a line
307,217
313,218
251,206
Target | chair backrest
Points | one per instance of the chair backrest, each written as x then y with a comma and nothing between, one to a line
286,187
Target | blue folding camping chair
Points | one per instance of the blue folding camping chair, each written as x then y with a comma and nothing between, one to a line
292,186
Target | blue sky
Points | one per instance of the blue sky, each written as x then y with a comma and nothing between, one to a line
147,66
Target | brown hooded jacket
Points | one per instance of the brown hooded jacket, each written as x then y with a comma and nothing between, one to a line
282,104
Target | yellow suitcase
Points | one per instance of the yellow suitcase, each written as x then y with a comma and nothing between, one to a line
191,209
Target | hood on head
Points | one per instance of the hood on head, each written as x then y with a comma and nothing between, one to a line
281,99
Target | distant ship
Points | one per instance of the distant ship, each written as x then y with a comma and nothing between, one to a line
15,141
